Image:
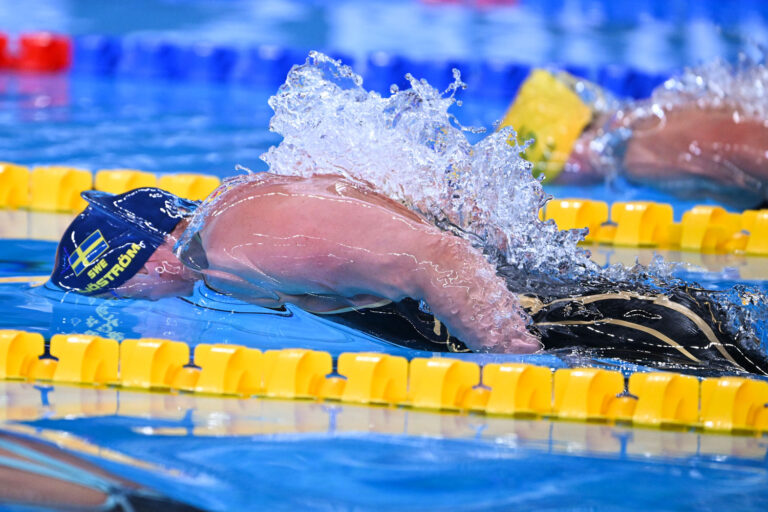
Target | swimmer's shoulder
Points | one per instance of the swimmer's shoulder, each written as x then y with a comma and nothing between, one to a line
365,192
263,183
253,186
267,181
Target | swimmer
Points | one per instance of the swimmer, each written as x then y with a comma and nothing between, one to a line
340,249
325,244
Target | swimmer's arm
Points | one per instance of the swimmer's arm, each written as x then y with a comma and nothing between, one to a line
239,288
307,239
684,141
465,293
460,286
713,143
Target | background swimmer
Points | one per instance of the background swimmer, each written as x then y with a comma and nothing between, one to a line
694,148
704,132
39,475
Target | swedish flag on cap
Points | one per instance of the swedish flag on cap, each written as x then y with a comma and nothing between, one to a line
88,252
109,241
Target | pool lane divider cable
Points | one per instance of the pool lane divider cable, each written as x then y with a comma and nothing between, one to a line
705,229
732,405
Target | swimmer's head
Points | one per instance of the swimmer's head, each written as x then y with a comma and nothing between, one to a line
121,245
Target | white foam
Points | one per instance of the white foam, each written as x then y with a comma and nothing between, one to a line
743,88
409,147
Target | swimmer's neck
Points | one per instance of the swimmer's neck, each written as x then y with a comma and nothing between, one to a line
188,274
177,233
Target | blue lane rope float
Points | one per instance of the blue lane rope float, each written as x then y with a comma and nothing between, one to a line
268,65
727,14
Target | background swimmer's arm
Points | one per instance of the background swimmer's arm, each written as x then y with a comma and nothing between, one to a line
683,142
717,144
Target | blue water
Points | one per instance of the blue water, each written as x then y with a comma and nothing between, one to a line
228,454
152,126
165,127
648,34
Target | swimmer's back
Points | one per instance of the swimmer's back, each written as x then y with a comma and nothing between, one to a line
307,235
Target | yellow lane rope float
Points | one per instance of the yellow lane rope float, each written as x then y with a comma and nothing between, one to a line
58,188
705,228
656,399
550,114
647,224
34,280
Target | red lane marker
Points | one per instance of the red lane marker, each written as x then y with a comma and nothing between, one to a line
43,51
4,58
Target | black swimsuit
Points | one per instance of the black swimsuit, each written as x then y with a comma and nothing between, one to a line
680,330
402,323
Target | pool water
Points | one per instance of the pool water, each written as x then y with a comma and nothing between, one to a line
97,123
230,454
224,454
164,127
219,453
648,34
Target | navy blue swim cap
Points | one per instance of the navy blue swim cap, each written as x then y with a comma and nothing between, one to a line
109,241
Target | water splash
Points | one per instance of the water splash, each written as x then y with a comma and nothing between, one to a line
412,149
409,147
718,84
747,315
